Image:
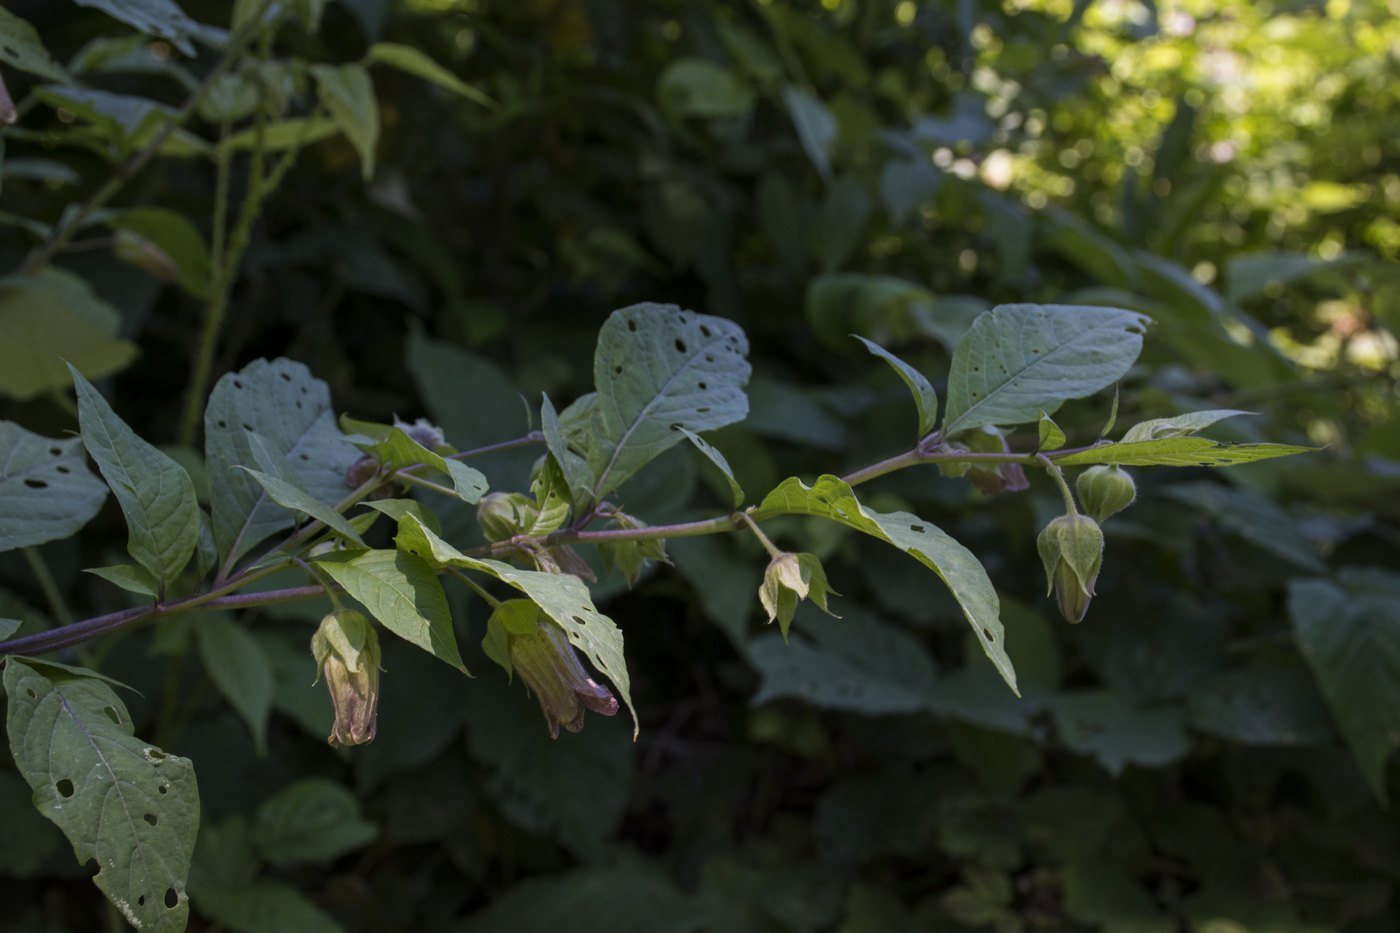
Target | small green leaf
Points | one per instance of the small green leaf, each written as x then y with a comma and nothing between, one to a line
1109,727
736,494
127,122
698,87
241,671
402,592
123,803
348,93
8,627
1112,415
925,399
281,135
176,237
130,577
155,493
658,366
830,497
408,59
562,597
47,491
311,820
1051,437
1019,359
815,125
398,450
290,496
20,47
1178,425
1180,452
575,467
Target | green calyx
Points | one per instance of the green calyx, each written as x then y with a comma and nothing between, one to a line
1071,549
346,649
1105,490
789,579
503,515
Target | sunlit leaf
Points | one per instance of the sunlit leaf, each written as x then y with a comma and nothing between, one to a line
1180,452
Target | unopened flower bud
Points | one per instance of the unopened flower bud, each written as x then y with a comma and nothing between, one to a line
547,663
504,515
1105,490
789,579
346,650
1071,548
423,431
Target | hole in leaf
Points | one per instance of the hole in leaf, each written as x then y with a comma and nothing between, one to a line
303,457
918,529
56,451
154,755
11,52
63,469
703,387
632,326
988,633
141,901
32,694
298,404
247,427
222,423
65,788
112,714
617,370
304,390
703,409
172,898
580,620
709,357
705,329
286,377
680,344
237,384
36,484
151,818
977,369
163,789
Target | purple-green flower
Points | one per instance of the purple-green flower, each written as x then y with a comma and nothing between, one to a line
346,650
551,670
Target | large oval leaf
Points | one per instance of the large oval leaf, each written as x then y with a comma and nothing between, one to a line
47,491
1019,359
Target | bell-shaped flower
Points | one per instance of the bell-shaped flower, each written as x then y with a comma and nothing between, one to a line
346,650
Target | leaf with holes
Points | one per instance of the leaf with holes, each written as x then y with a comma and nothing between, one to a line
155,493
736,494
129,806
291,410
656,367
401,591
20,47
925,399
160,18
1018,359
829,497
1180,452
47,491
562,597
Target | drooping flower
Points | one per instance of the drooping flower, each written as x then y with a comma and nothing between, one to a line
789,579
551,670
346,650
1071,548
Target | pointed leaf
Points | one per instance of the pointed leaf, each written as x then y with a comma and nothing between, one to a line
562,597
50,319
121,802
347,92
155,493
1051,437
657,366
47,491
289,496
816,127
130,577
401,591
1178,425
398,450
161,18
240,669
575,468
311,820
20,47
717,458
1018,359
291,411
1180,452
408,59
955,565
925,399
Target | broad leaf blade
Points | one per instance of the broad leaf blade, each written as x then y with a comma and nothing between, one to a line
161,18
291,410
1051,436
155,493
240,669
925,399
129,806
20,47
401,591
1351,640
1018,359
657,366
47,491
955,565
736,494
1180,452
53,318
562,597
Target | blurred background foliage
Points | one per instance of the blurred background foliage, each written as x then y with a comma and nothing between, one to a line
1207,751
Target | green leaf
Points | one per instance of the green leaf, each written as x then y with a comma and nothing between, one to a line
1252,517
410,60
815,125
155,493
562,597
130,577
263,906
20,47
1109,727
47,491
1180,452
1019,359
1105,896
1178,425
281,135
925,399
311,820
698,87
1260,706
593,900
955,565
125,121
290,496
175,236
51,318
1351,640
8,627
658,366
736,494
348,93
398,451
160,18
241,671
845,212
511,617
401,591
291,411
1051,437
129,806
575,468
